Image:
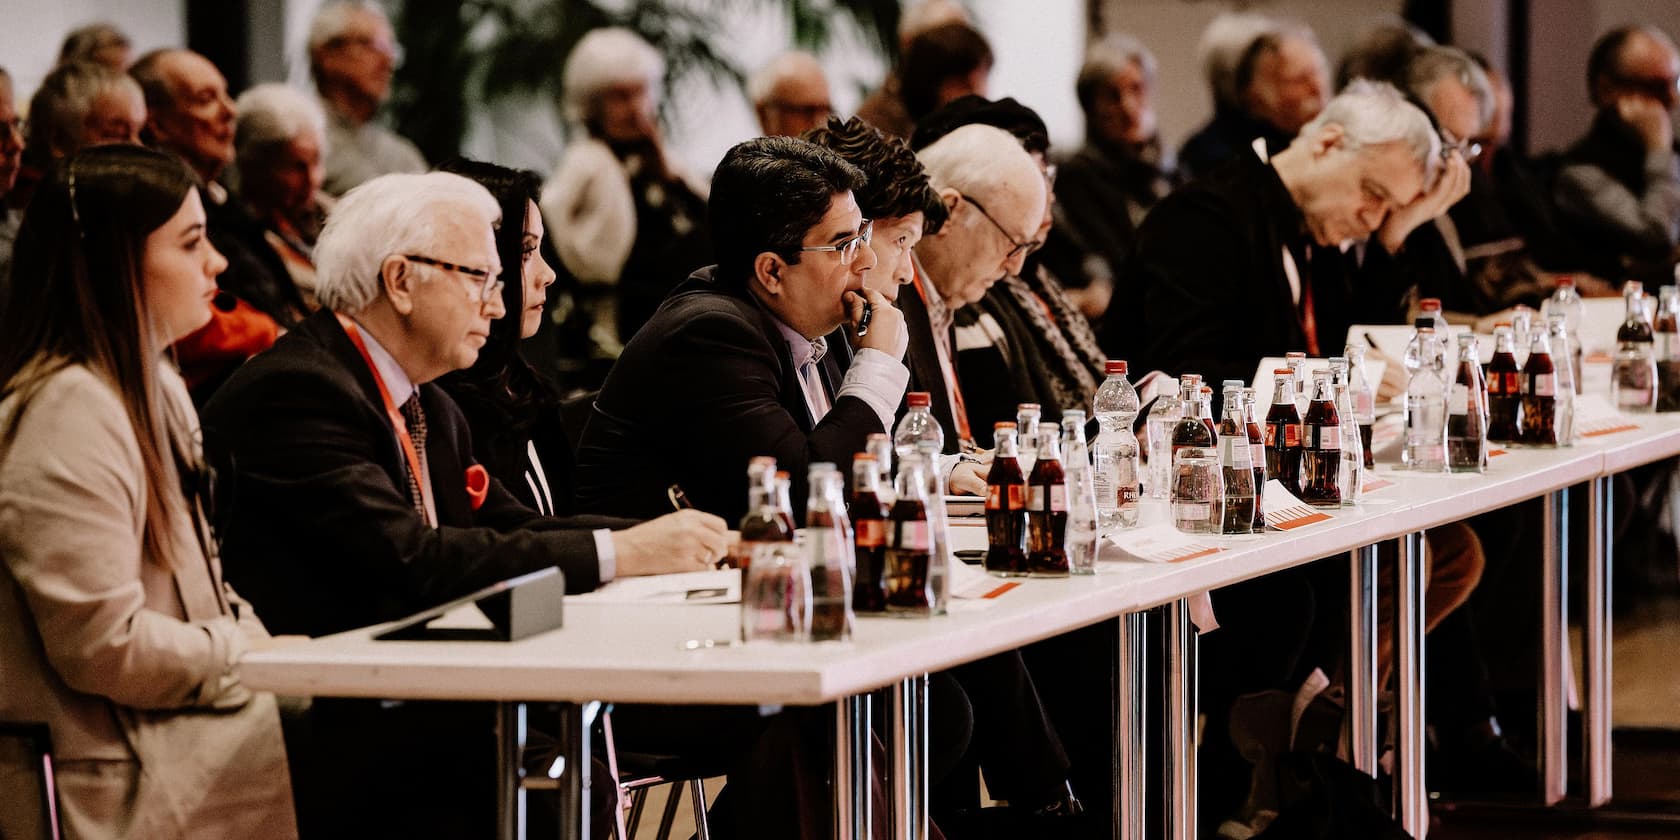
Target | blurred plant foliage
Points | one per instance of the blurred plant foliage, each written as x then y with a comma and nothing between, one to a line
461,51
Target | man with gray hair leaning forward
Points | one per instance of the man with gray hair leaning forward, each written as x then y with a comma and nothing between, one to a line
350,496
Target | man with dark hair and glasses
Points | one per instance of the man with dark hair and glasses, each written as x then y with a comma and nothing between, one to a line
739,360
1619,187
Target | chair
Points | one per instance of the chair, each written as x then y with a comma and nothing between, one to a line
26,772
574,414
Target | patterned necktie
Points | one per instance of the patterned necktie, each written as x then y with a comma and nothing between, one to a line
416,421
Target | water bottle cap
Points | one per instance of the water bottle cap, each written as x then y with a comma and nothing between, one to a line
1282,372
1026,407
1003,424
1294,356
863,456
919,399
1430,304
1566,281
1114,367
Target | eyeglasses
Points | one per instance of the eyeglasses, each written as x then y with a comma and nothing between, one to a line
1020,247
849,248
488,284
1662,89
1469,148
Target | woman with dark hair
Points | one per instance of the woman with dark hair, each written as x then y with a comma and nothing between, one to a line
514,413
116,629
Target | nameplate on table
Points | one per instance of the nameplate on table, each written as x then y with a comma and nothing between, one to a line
1161,543
1595,416
513,609
1286,512
1375,484
1605,426
972,582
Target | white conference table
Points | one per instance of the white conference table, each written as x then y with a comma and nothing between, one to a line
630,653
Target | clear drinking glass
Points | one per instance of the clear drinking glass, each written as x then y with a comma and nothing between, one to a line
1198,490
776,595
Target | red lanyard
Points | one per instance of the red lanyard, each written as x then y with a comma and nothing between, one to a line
398,423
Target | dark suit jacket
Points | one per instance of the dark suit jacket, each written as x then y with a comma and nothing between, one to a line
313,508
1208,275
706,385
922,357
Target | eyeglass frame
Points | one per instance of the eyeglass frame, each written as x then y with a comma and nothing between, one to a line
489,285
855,242
1026,247
1469,148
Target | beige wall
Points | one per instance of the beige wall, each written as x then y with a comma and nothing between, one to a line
34,29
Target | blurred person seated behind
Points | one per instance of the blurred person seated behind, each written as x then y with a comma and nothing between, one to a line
189,113
352,54
77,105
11,160
790,95
353,498
116,628
884,108
1619,186
1109,184
100,43
1277,83
628,223
939,64
271,227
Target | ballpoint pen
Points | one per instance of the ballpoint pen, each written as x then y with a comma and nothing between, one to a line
679,499
863,321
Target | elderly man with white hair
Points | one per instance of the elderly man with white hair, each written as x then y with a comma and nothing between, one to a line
625,220
268,232
1268,78
351,497
352,54
995,197
790,95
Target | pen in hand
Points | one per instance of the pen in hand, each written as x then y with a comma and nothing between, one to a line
680,502
863,321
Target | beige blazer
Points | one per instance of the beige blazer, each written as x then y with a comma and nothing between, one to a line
130,662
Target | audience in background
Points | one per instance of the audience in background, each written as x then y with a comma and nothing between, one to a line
81,105
1619,186
118,631
790,95
268,231
352,54
99,43
1109,184
884,108
940,64
11,160
1277,82
628,223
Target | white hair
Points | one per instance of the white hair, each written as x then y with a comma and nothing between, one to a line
1432,64
1221,48
391,215
1111,53
1374,113
334,17
605,57
58,110
978,160
788,65
274,113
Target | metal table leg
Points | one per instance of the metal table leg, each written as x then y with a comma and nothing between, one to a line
1130,712
572,770
909,763
1554,648
1411,792
1179,755
1362,688
852,770
509,796
1596,712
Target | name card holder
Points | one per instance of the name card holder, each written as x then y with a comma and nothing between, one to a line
518,608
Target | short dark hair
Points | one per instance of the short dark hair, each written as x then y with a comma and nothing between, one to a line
897,185
767,194
1606,57
943,52
1007,113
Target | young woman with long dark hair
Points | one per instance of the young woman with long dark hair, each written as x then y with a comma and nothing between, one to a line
116,629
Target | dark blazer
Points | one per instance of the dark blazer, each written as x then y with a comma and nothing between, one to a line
707,384
312,502
1208,276
922,357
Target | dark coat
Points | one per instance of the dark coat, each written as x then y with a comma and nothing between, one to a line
706,385
313,506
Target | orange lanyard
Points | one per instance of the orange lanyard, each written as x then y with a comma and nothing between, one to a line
399,424
949,367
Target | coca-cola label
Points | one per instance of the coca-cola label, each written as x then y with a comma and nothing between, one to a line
910,536
1233,451
1541,384
1057,498
1504,383
1320,438
995,497
1459,401
1291,435
871,533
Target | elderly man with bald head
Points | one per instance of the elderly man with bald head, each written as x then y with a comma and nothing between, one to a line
1619,187
790,95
